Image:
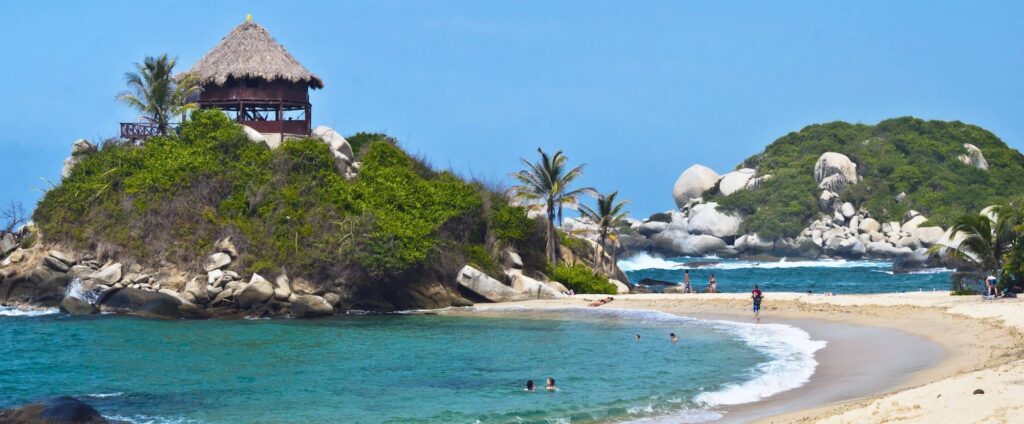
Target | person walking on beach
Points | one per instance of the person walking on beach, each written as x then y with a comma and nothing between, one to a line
756,295
687,288
712,284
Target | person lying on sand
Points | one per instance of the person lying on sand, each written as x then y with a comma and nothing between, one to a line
600,302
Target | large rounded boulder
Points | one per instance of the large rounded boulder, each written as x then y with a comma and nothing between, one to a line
834,171
692,184
706,219
735,181
310,306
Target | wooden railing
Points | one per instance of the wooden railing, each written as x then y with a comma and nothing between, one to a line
138,131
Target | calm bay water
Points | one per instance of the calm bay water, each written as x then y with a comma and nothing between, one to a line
835,276
448,368
402,368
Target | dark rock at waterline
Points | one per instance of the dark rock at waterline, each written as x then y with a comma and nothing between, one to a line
75,306
650,282
58,410
163,308
128,299
39,286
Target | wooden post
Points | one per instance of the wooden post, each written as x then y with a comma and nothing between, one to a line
280,120
309,110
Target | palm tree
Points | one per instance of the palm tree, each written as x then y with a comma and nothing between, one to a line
545,185
609,217
983,245
154,91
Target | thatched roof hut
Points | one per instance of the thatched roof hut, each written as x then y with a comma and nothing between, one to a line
249,52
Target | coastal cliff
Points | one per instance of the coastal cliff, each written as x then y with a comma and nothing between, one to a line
838,190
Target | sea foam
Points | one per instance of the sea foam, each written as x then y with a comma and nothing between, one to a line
644,261
10,311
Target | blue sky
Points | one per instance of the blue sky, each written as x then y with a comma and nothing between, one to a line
637,90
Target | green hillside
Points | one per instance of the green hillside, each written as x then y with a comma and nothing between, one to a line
170,199
908,155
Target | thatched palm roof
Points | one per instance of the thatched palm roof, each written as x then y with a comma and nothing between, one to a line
249,51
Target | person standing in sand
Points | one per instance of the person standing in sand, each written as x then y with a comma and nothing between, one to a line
687,288
712,284
756,296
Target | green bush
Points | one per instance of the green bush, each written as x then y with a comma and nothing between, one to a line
897,155
581,279
480,259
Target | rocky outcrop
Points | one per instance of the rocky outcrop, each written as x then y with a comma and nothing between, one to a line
706,219
310,306
735,181
620,287
57,410
532,288
258,290
255,136
974,157
79,148
692,184
487,288
834,171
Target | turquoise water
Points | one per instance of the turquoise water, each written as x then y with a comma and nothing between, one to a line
835,276
401,368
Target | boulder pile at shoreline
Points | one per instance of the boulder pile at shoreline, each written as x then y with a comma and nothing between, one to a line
80,284
843,229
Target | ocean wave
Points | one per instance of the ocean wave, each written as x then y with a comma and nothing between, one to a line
104,395
922,271
150,419
790,348
10,311
644,261
792,365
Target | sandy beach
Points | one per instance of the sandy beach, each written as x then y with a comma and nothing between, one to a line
907,357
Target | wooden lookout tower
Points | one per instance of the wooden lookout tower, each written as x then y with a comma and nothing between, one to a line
257,82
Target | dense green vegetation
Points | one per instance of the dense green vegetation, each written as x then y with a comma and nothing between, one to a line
581,279
897,155
171,198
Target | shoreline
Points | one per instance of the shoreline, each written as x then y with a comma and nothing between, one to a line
963,336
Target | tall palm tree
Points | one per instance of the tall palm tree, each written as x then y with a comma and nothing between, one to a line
609,217
545,185
153,90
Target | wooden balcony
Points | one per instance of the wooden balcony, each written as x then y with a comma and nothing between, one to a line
296,127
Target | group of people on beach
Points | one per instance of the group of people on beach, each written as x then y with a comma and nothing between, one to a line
687,288
756,295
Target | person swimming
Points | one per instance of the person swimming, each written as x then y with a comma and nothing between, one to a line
551,385
637,337
529,386
672,336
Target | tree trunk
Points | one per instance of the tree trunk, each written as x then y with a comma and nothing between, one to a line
551,243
